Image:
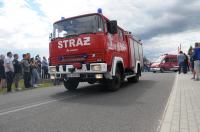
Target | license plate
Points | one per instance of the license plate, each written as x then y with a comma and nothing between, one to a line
73,75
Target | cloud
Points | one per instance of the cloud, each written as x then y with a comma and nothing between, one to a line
181,16
25,24
160,45
22,28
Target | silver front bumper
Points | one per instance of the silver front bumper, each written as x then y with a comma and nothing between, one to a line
174,68
154,69
94,68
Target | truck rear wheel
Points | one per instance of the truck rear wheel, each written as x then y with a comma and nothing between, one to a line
71,84
115,83
135,78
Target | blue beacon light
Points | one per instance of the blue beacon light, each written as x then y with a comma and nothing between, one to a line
62,18
99,10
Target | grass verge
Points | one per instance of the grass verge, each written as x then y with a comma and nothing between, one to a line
43,84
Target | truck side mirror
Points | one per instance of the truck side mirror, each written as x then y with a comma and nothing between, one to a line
50,36
112,27
164,61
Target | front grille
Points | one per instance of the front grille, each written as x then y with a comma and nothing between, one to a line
57,68
73,58
64,68
88,66
87,75
91,75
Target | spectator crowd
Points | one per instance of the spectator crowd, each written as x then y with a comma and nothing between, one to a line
183,63
31,70
193,62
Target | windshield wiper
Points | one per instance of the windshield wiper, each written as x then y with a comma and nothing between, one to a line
76,35
87,33
57,38
71,35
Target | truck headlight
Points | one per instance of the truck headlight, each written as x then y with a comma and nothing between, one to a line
98,76
52,69
52,77
96,67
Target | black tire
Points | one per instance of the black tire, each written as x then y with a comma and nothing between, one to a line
136,78
154,71
71,84
115,83
161,70
91,82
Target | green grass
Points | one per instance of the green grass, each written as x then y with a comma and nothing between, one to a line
2,91
21,85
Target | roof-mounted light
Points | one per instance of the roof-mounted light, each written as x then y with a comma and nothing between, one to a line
99,10
62,18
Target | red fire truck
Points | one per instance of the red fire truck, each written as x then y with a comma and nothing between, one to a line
166,62
91,48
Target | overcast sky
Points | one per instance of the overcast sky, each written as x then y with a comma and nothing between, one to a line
162,25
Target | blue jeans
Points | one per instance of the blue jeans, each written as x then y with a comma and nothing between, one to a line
182,67
35,76
9,80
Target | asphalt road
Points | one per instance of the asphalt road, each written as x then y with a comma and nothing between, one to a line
134,108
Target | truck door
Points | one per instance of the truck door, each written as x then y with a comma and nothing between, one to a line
167,63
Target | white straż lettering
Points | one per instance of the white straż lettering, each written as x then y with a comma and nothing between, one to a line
79,42
60,45
72,43
66,43
86,41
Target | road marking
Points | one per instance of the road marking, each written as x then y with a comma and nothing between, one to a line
165,110
20,108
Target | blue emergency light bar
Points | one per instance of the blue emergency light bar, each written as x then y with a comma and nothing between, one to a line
99,10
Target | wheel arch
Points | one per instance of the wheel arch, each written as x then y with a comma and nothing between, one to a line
117,62
138,68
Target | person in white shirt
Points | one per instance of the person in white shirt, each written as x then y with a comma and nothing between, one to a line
9,70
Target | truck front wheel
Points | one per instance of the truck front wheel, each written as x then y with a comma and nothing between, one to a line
162,70
115,83
71,84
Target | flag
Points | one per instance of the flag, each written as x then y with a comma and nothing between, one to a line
179,48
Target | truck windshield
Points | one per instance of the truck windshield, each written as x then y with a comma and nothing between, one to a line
77,26
159,59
